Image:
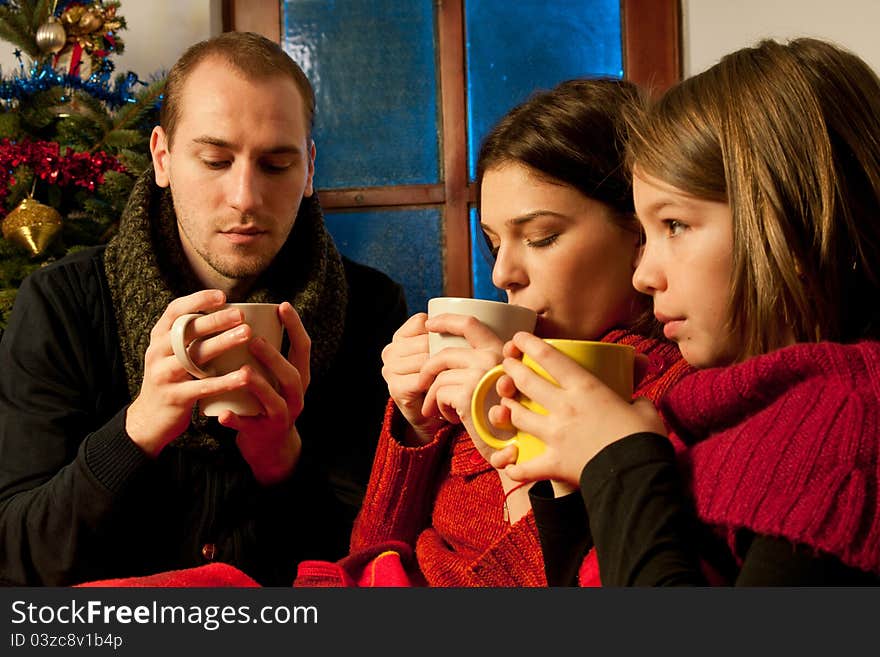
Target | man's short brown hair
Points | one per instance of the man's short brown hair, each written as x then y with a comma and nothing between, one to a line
252,54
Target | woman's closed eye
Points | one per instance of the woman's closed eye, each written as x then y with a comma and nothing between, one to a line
543,242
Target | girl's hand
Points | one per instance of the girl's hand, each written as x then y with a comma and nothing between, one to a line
584,415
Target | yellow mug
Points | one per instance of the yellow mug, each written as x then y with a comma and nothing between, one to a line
611,363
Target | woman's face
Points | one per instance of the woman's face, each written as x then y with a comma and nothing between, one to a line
686,265
558,253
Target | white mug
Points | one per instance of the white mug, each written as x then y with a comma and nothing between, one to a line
265,323
504,319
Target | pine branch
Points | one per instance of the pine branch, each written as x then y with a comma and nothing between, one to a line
40,15
15,27
21,37
131,114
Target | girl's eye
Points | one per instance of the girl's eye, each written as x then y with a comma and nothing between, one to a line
674,227
546,241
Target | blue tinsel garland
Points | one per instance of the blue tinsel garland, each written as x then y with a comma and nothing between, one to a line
42,76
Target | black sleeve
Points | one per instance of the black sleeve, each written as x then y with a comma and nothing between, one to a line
343,412
563,531
647,534
64,453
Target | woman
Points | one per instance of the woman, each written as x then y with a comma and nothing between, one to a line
556,207
761,258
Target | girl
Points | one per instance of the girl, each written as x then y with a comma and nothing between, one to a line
757,184
555,206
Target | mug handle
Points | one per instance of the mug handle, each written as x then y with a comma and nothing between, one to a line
479,412
180,347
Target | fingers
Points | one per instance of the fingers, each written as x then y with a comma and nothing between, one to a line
450,395
478,335
299,353
281,409
408,349
203,301
499,417
524,419
504,457
452,358
412,327
201,351
559,366
510,350
530,383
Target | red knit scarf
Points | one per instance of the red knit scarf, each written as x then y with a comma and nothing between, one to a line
786,444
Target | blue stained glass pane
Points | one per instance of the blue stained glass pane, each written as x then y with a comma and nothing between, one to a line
514,48
482,263
402,243
372,66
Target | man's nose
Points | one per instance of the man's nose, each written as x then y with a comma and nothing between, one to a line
245,194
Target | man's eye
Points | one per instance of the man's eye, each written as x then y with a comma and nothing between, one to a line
216,164
273,167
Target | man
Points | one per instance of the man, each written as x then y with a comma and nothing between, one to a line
106,470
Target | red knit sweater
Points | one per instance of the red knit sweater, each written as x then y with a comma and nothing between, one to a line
445,500
788,444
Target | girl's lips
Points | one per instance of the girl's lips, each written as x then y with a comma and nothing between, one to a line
672,328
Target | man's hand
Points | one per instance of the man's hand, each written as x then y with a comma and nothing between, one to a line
270,442
163,407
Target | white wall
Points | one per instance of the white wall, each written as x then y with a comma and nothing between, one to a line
712,28
157,33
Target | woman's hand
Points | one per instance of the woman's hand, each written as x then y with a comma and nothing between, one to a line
402,361
584,415
453,373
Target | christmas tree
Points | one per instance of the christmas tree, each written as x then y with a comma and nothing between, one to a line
71,142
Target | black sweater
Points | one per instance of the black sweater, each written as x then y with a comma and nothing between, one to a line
79,501
633,504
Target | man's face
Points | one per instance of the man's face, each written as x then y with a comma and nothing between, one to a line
239,165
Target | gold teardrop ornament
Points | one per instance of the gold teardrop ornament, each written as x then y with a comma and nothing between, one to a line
32,226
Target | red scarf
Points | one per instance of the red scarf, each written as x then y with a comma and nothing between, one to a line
786,444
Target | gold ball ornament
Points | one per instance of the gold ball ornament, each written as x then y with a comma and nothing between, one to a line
91,21
51,35
32,226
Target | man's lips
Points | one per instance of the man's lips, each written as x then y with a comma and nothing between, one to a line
243,234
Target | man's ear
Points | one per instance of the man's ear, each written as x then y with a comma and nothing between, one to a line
160,153
309,190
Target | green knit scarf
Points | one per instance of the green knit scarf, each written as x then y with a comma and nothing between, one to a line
146,269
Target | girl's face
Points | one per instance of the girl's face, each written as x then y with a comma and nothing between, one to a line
686,265
558,253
